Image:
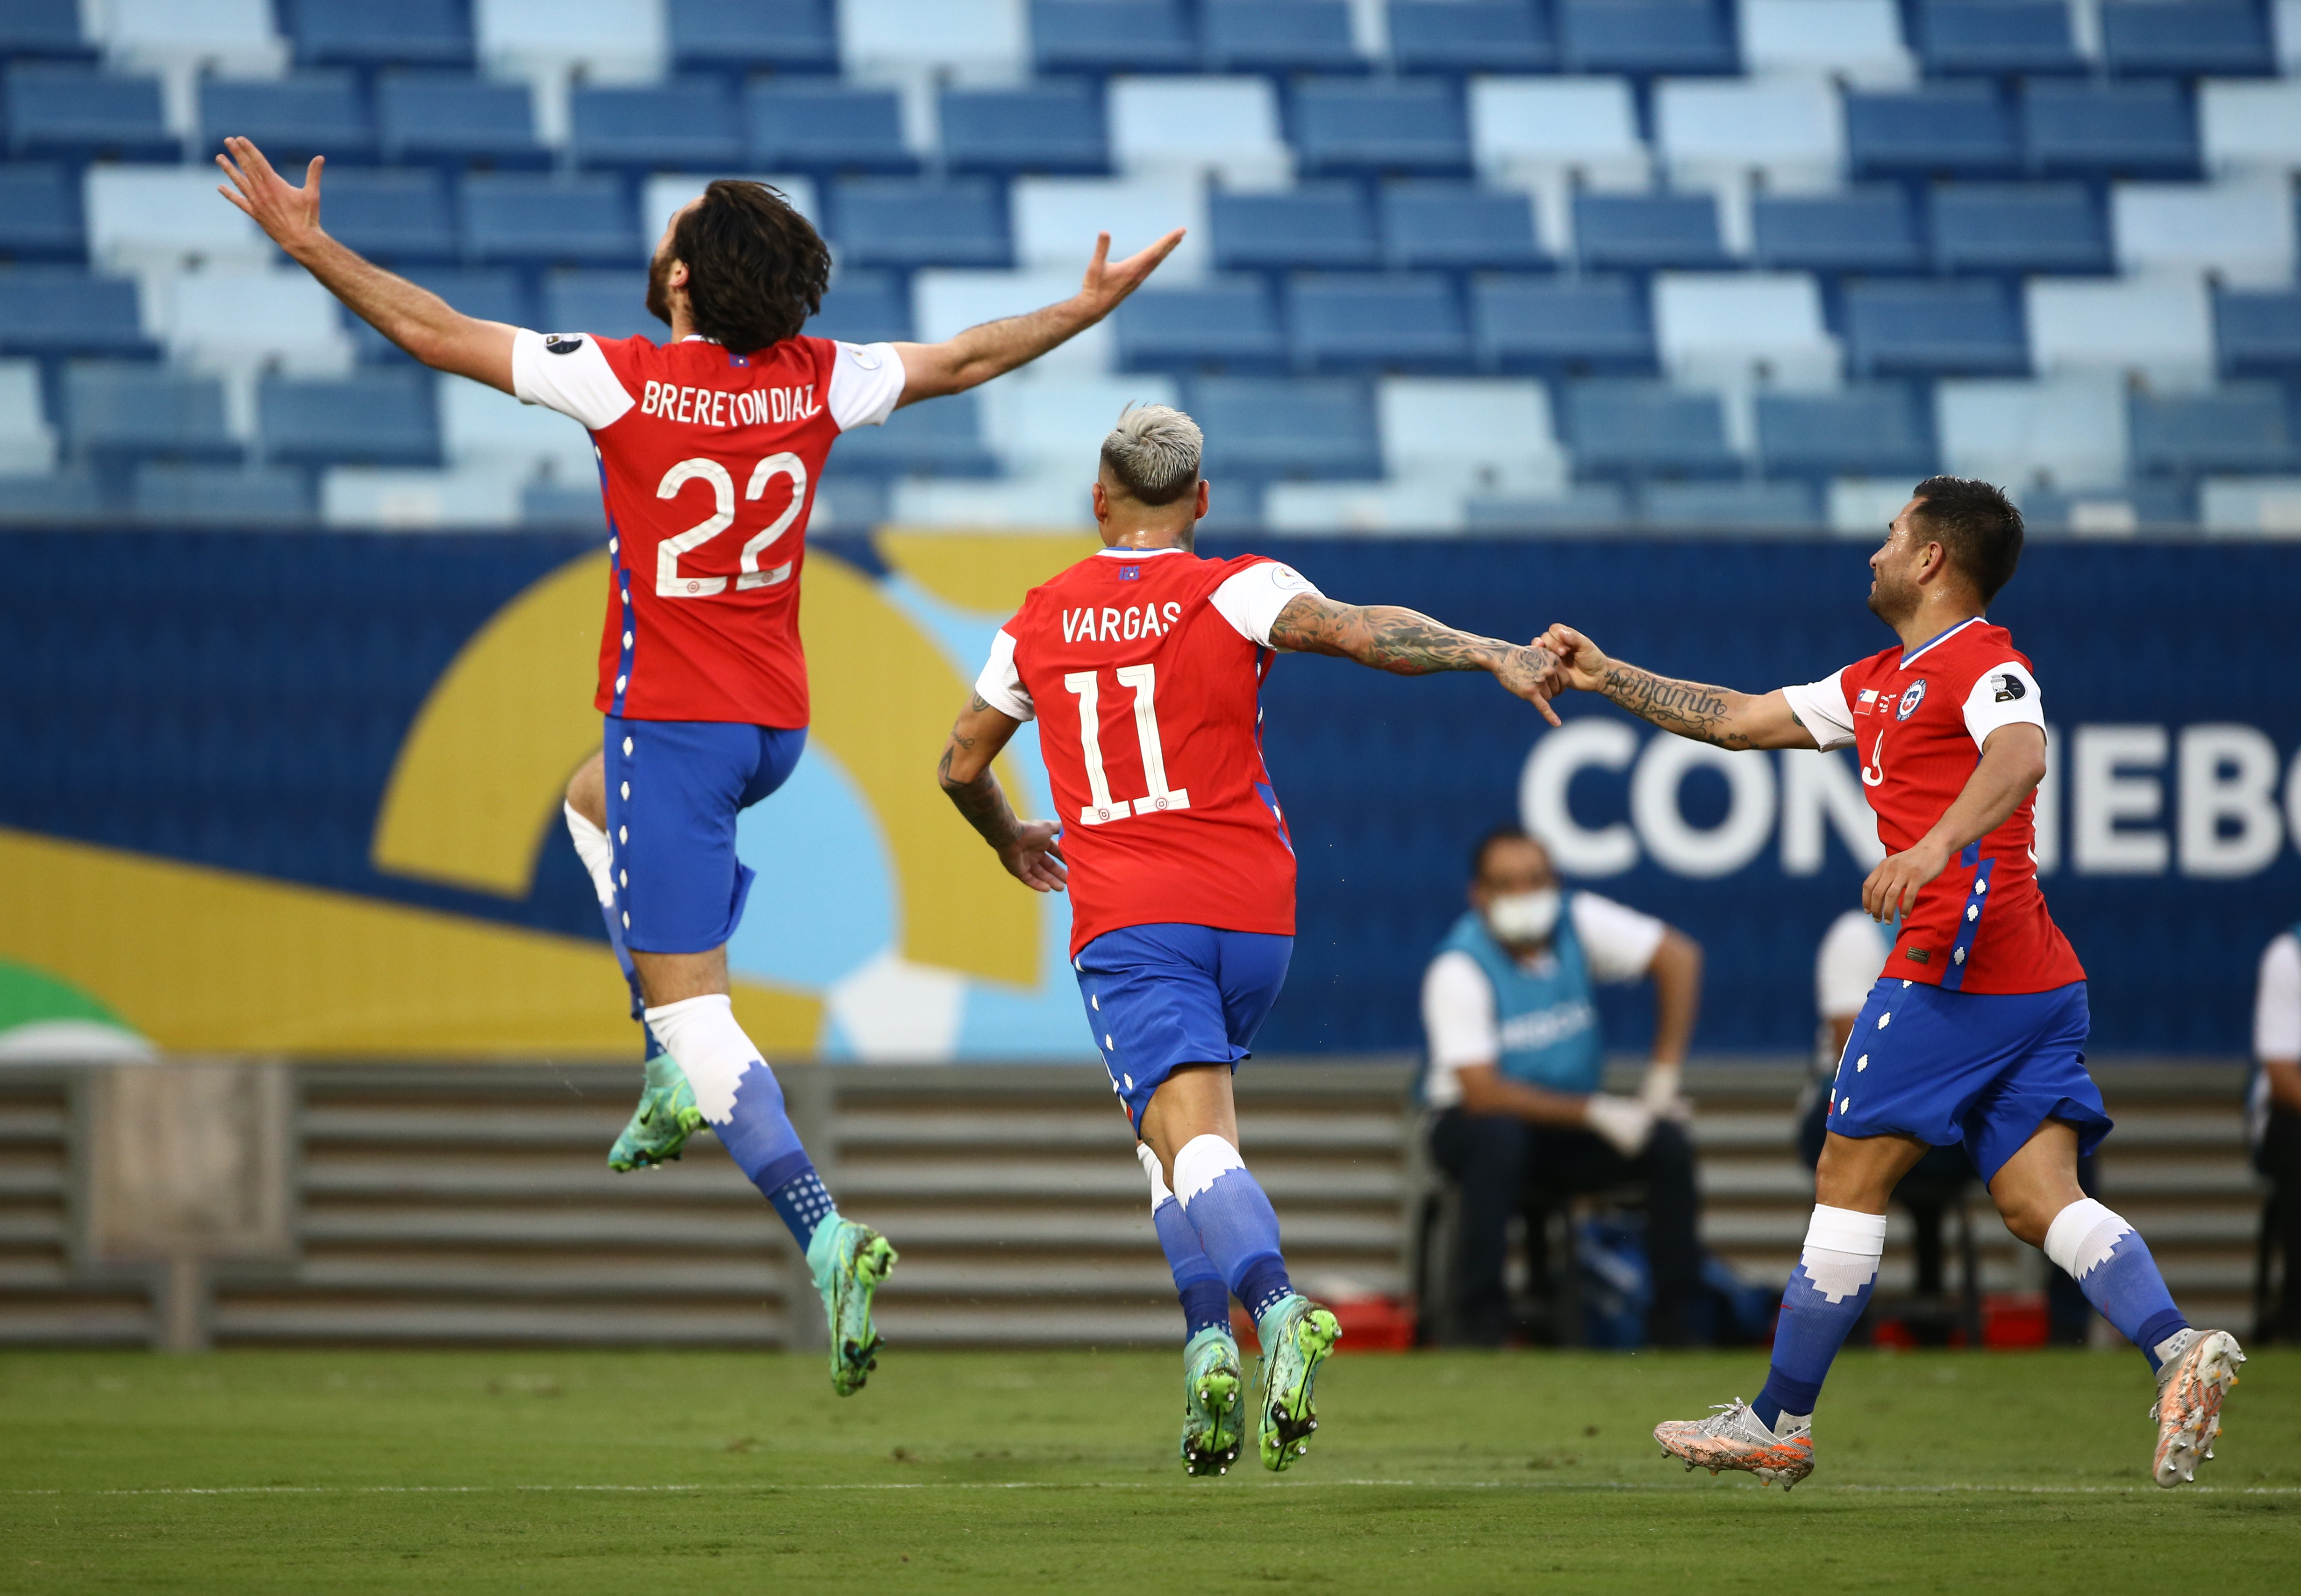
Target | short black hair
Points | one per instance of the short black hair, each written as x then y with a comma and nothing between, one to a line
755,268
1977,523
1493,840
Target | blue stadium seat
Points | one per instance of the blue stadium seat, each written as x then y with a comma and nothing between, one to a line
1471,35
533,220
1996,36
1113,36
365,33
2019,227
1876,429
82,114
42,28
291,119
1325,226
39,213
802,126
894,221
607,303
2244,427
1349,321
1225,324
169,495
1930,328
1647,37
456,119
688,124
1729,506
491,294
1645,231
2185,38
864,307
1381,126
1632,428
62,309
66,498
1279,36
119,411
377,417
1563,325
1582,507
2258,332
740,36
1942,130
944,439
1870,228
1046,127
393,215
1457,227
1259,429
2085,129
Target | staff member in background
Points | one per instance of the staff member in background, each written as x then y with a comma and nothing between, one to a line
1516,1063
2272,1120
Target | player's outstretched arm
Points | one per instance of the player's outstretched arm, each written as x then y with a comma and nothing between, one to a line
2012,763
417,320
1409,643
1712,714
976,356
1028,847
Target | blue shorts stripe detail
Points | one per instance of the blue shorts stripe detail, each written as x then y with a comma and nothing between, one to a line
674,790
1160,997
1976,904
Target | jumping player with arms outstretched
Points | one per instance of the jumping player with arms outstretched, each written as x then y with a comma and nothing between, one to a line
1143,664
710,446
1975,1031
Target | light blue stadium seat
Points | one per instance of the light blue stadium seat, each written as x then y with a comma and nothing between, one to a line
491,294
42,29
608,304
80,113
118,411
864,307
1054,126
1193,125
2242,230
1353,322
1942,130
291,119
455,118
1557,326
64,309
1647,37
2159,326
1647,231
1260,429
39,213
944,439
2019,227
1633,428
372,33
1996,36
380,417
1113,36
1278,36
393,215
744,36
2083,129
2184,38
1730,507
801,125
895,222
72,498
1225,324
1457,227
2258,332
534,219
1584,507
1471,35
1873,429
1394,127
2243,427
1869,228
690,124
1323,225
166,494
1925,328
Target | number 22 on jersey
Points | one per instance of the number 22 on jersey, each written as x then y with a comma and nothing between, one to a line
1102,806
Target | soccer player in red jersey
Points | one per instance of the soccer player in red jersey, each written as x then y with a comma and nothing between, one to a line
1143,664
1975,1031
710,448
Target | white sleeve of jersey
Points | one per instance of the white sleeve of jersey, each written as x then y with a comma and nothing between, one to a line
1251,601
866,382
1618,941
566,372
2006,695
1852,958
1458,1021
1820,708
1001,685
2277,1002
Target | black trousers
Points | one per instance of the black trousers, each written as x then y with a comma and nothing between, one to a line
2279,1158
1504,1166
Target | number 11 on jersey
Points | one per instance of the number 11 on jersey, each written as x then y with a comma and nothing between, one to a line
1102,806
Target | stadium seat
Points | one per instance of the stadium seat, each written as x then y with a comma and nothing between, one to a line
533,220
2244,427
740,36
2002,37
1874,429
1046,127
2186,39
1367,322
2242,231
1927,329
1055,424
1632,428
1851,41
2018,228
946,303
1645,37
820,127
2118,512
143,217
1263,428
1789,129
2109,130
72,498
1390,505
864,307
690,123
491,294
1541,129
1729,506
944,439
1471,35
1481,434
27,444
1225,324
1642,231
1582,507
391,214
1457,227
1324,226
39,215
2250,505
1732,329
980,41
363,33
62,309
78,114
2070,432
894,221
245,321
183,39
550,43
2159,327
473,496
481,426
1113,36
42,29
1227,126
1562,326
454,119
607,303
1278,36
168,493
1942,130
377,417
564,506
1870,228
1056,220
2257,333
1402,128
2251,129
114,413
318,112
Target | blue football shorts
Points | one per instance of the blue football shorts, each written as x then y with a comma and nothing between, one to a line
674,789
1985,1069
1160,997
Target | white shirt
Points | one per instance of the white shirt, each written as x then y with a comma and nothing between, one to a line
1249,601
1852,956
1458,1000
566,372
2277,1001
1821,708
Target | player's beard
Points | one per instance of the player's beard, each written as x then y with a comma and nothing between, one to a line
658,295
1892,599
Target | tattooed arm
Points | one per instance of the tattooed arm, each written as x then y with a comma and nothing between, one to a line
1408,643
1026,848
1712,714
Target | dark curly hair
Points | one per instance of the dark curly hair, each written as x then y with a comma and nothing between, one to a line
1977,523
755,268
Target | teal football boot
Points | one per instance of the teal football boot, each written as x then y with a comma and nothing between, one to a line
661,1125
1214,1402
1297,1336
848,1260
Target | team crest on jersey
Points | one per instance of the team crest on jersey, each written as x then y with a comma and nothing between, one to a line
1910,699
564,343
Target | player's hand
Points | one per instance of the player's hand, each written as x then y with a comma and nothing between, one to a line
1892,887
1531,672
1581,663
289,215
1108,282
1034,859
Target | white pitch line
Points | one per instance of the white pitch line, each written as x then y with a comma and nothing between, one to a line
725,1488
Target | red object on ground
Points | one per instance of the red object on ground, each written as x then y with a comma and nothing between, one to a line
1369,1325
2015,1319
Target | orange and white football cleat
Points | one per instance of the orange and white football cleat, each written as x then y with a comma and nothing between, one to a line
1733,1437
2190,1386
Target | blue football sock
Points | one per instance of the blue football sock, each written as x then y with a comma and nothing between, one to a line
1235,1221
2111,1262
1826,1295
743,1104
1197,1283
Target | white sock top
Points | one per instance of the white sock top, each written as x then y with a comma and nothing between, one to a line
2083,1235
1159,1195
591,847
1203,1160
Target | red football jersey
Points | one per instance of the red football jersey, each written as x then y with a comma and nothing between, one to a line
1144,669
709,461
1917,720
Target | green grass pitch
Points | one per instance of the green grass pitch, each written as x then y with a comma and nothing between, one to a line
250,1472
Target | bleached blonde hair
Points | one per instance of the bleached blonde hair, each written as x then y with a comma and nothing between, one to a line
1153,453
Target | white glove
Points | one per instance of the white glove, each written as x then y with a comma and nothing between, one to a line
1663,1092
1625,1123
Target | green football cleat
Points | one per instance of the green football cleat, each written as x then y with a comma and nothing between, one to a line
661,1125
849,1261
1297,1336
1214,1390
